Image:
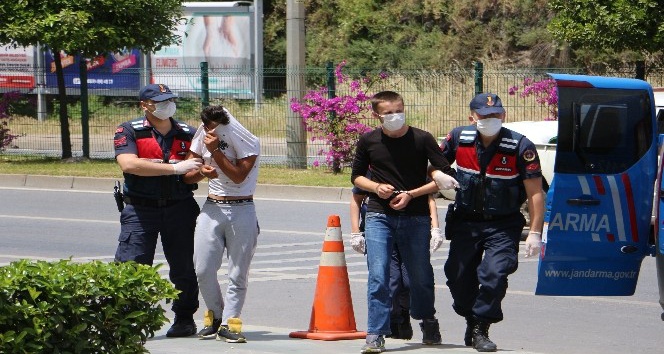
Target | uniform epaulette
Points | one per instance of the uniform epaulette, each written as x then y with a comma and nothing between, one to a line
138,124
509,141
467,136
184,127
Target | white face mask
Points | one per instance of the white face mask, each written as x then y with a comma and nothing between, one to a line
164,110
489,126
394,121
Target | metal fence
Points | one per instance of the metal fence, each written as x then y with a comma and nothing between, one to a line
435,100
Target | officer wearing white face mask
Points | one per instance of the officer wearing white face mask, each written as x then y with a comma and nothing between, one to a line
151,152
497,170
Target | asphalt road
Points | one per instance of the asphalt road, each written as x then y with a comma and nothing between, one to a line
45,218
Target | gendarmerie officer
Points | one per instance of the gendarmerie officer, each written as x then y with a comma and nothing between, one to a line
497,170
151,152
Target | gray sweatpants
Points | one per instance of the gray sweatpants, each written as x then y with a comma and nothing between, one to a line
233,227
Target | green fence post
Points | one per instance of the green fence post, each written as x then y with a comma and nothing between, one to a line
640,70
479,75
331,93
331,84
205,85
85,114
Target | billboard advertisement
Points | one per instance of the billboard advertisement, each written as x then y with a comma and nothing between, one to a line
117,70
17,67
223,40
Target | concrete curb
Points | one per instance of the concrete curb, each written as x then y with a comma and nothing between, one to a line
271,191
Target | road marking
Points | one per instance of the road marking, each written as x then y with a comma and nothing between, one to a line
58,219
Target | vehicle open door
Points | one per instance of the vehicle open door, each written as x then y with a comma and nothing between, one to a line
659,222
599,204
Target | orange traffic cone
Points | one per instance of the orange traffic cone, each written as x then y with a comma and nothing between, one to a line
332,316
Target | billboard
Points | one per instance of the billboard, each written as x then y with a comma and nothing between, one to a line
222,37
117,70
224,34
17,67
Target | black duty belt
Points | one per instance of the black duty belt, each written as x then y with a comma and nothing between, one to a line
153,203
234,201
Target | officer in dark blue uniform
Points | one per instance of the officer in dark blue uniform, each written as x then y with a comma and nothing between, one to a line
151,152
497,170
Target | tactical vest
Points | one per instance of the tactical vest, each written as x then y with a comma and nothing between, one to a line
159,187
495,189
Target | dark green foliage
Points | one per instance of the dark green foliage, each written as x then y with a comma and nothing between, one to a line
410,34
66,307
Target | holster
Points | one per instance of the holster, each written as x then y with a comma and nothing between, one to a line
117,194
449,217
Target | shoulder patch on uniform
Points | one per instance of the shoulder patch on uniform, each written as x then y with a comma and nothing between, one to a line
533,167
119,130
529,155
122,141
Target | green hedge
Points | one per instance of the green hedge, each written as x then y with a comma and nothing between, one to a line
66,307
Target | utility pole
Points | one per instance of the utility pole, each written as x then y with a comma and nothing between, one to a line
296,137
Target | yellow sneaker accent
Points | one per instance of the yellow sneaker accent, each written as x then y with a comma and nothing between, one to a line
235,325
208,317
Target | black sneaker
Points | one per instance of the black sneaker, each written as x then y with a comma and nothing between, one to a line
230,337
210,326
182,327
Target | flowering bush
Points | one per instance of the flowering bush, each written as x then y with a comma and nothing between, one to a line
6,137
336,120
545,92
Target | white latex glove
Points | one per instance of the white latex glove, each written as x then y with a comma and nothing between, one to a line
533,244
443,180
437,238
185,166
357,242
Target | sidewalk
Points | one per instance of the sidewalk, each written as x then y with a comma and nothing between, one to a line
276,340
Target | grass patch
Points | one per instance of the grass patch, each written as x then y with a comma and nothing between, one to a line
109,169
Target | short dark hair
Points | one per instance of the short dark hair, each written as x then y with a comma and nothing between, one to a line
384,96
215,114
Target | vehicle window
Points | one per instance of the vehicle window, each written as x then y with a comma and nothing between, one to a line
660,120
602,130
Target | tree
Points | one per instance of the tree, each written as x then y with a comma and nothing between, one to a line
411,34
606,26
88,28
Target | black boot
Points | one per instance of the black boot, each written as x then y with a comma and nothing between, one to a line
468,336
405,330
430,332
481,341
183,326
394,327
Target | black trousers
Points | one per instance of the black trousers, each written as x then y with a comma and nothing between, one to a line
482,255
139,230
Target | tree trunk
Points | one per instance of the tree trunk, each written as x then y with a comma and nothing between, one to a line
65,137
